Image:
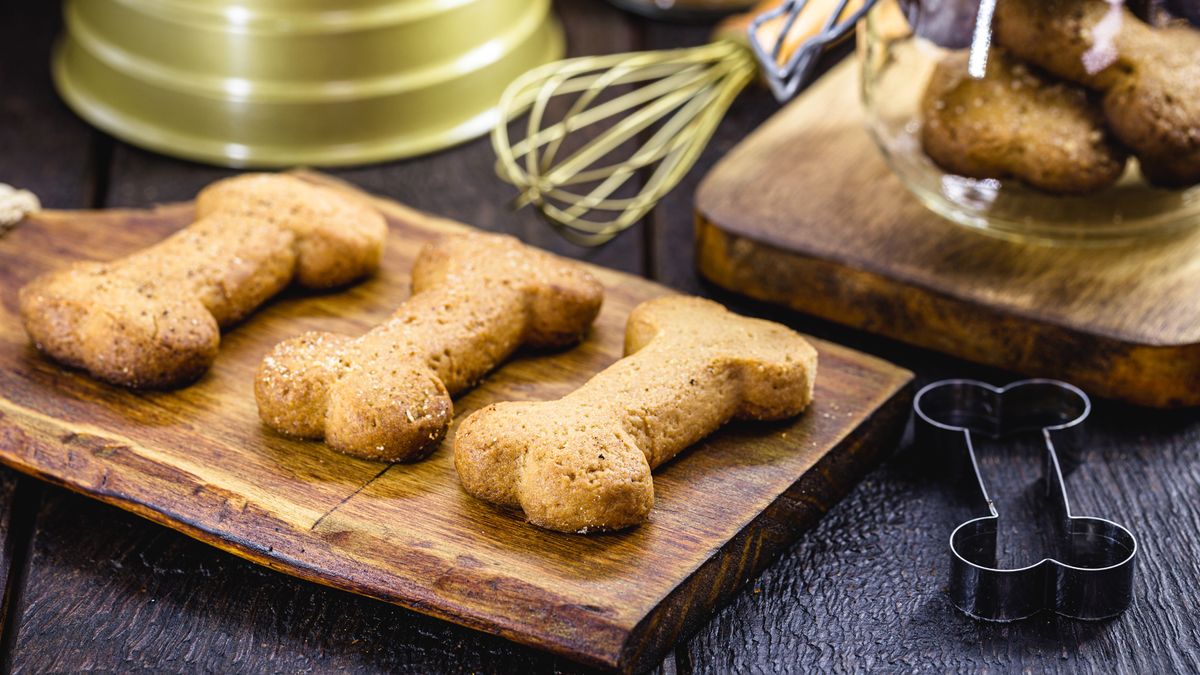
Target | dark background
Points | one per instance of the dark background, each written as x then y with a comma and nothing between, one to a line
89,586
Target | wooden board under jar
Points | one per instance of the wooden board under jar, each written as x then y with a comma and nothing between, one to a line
805,212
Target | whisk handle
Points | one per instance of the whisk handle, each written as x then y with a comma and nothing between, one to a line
789,36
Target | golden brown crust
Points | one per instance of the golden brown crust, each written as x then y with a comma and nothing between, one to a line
338,240
1151,91
386,395
1016,123
582,463
153,318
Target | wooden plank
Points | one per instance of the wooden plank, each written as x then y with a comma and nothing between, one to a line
147,598
18,500
199,461
46,149
783,219
865,590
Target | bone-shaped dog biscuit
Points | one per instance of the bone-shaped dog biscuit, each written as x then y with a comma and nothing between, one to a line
386,395
582,463
1149,85
153,318
337,239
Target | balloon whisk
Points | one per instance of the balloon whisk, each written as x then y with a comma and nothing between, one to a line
664,107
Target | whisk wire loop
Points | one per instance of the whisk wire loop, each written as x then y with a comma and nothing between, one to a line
603,111
674,101
682,154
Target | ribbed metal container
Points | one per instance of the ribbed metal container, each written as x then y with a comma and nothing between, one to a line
285,82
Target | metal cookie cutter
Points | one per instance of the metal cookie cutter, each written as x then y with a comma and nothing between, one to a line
1089,574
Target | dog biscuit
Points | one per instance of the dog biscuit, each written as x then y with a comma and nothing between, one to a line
1014,122
1149,81
386,394
153,318
338,240
582,463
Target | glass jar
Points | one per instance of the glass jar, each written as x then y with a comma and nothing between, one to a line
896,66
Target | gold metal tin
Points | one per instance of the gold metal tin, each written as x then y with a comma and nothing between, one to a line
285,82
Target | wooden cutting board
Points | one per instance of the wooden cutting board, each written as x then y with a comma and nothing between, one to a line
198,460
804,212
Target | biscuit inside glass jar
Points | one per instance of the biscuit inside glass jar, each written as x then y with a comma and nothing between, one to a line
1037,149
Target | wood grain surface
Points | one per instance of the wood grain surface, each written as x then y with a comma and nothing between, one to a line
806,213
46,149
198,460
98,588
878,562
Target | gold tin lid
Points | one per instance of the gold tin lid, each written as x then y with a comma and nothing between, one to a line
284,82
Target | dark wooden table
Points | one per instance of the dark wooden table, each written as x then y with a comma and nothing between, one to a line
88,586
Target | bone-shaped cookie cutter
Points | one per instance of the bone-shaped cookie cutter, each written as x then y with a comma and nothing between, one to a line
1090,575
